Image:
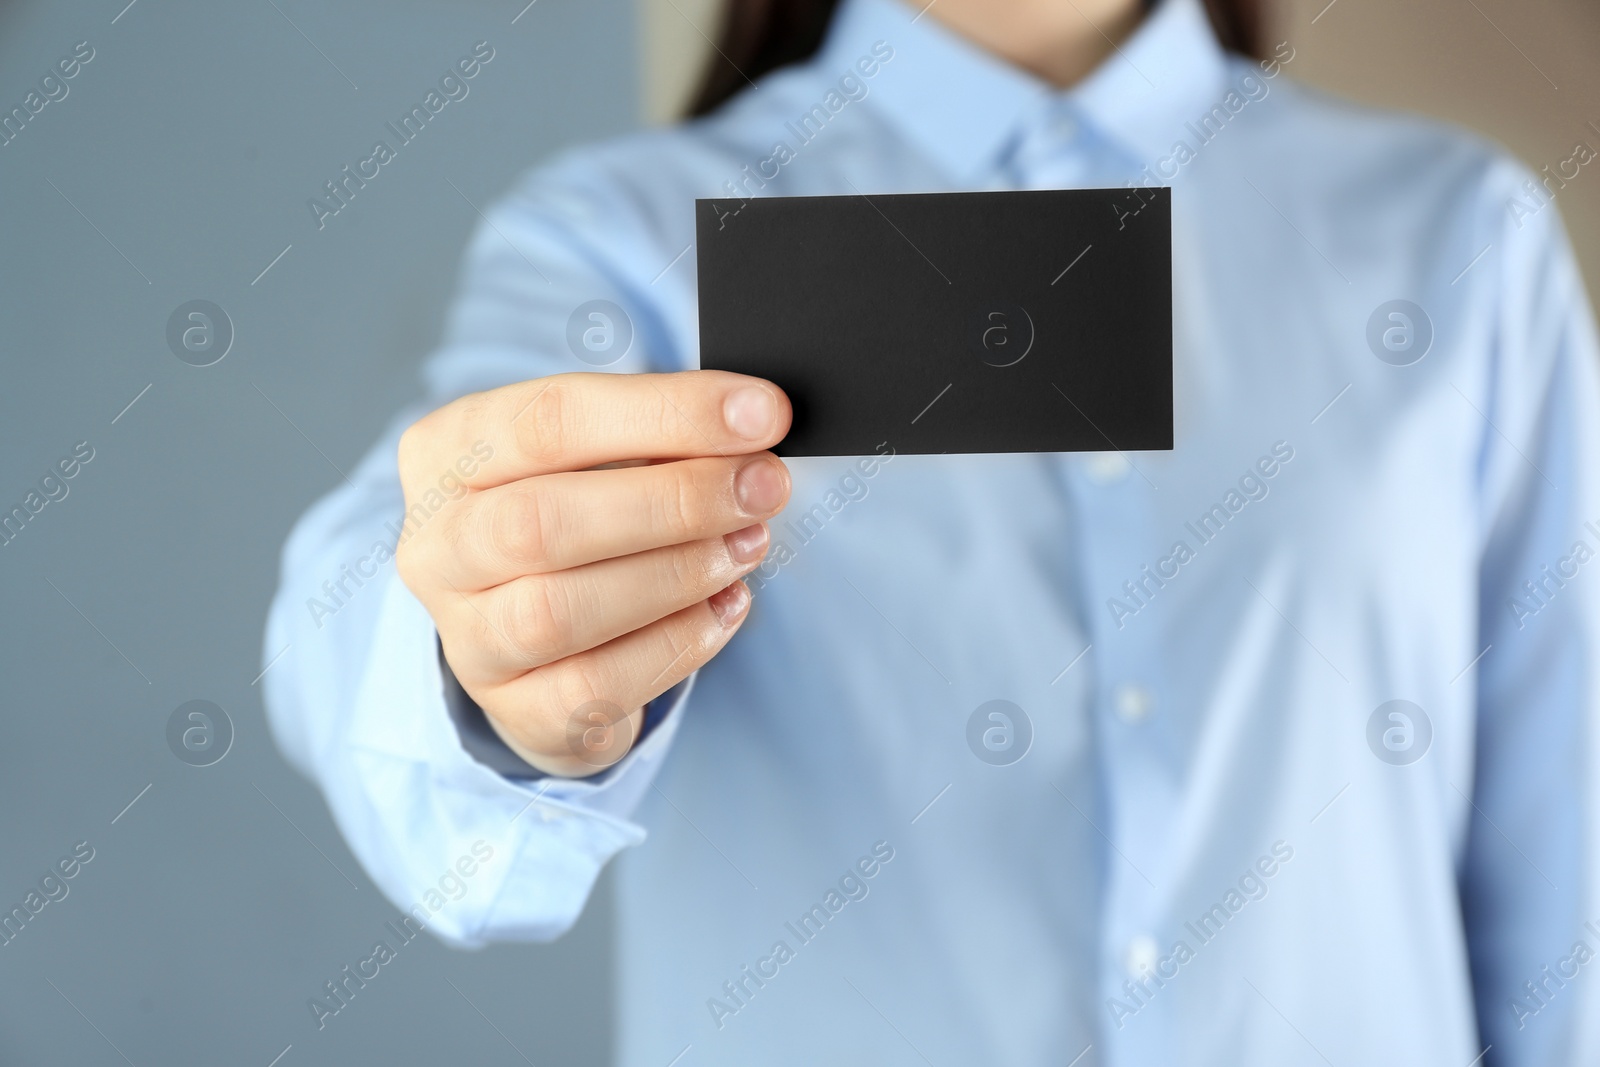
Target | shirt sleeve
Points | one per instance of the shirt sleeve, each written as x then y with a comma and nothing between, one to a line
1530,893
356,692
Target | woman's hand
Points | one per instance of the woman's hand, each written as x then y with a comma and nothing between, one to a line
594,561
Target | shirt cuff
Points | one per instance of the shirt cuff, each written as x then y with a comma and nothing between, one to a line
407,671
411,799
480,741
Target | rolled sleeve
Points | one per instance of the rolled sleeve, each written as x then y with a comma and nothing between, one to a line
414,799
356,694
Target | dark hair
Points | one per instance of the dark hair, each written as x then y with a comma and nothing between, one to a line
758,36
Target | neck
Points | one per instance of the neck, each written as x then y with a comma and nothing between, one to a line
1059,41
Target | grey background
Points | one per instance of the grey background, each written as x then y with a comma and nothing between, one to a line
192,141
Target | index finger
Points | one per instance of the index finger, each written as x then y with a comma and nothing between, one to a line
575,421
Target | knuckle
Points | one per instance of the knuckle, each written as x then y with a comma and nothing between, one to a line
509,716
575,683
456,531
663,420
698,566
408,566
539,726
683,502
475,409
488,637
566,689
542,430
413,445
520,529
464,632
418,559
539,621
520,719
704,641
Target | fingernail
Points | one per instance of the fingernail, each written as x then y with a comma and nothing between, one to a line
748,544
759,486
750,411
729,605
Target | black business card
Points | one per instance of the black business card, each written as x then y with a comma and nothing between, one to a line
1033,321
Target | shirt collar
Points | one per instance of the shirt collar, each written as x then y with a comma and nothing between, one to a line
964,106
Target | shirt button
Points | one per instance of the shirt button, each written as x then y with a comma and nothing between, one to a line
1142,956
1132,702
1107,468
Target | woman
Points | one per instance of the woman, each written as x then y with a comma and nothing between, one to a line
1295,757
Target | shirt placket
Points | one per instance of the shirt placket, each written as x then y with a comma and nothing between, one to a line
1137,802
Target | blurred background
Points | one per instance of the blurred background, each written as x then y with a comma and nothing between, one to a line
176,168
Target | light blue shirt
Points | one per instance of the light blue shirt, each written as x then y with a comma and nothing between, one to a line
1201,829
